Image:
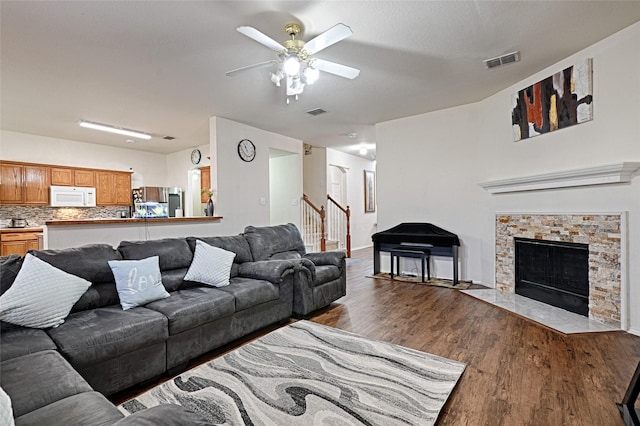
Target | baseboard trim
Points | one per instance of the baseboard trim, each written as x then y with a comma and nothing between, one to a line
634,331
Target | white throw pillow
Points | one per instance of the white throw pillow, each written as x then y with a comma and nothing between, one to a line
6,412
138,281
210,265
41,296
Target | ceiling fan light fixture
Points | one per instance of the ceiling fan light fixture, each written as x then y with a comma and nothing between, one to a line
276,77
291,65
294,59
311,75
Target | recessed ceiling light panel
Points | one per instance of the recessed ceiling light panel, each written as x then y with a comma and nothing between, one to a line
113,129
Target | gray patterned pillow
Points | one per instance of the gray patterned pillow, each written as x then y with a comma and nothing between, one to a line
41,295
211,265
6,412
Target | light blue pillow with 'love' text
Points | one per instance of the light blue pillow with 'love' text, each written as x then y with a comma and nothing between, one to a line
138,281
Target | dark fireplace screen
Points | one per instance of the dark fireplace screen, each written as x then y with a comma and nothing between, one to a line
553,272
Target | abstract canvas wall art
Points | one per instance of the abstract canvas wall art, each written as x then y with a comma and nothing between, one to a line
558,101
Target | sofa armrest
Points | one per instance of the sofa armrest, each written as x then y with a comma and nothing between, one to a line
165,414
269,270
326,258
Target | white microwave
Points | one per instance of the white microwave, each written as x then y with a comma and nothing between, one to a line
72,196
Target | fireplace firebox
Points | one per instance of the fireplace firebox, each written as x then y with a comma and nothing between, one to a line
553,272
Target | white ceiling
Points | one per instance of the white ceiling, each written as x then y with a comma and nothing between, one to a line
158,66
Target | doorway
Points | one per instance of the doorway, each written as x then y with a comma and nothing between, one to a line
285,187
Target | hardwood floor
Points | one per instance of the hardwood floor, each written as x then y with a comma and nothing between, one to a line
518,373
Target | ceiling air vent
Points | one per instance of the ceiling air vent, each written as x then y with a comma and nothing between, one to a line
316,111
168,138
502,60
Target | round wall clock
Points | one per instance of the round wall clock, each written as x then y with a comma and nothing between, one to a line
196,156
246,150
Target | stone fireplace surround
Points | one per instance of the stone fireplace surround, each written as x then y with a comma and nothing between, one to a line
603,233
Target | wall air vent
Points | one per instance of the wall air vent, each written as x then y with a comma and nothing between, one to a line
502,60
316,111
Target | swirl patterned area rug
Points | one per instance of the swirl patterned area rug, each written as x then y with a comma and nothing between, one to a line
308,374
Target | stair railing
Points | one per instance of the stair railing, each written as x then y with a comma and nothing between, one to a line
339,224
313,232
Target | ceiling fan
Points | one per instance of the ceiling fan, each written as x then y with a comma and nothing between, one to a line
295,61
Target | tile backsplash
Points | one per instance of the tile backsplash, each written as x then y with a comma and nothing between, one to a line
37,216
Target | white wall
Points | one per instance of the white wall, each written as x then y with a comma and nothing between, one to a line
41,149
363,225
283,190
429,166
315,175
243,188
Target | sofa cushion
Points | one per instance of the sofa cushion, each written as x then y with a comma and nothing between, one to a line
88,262
41,295
6,411
173,279
190,308
87,409
21,341
105,333
9,268
54,378
326,273
250,292
138,281
267,241
174,253
98,295
235,243
211,265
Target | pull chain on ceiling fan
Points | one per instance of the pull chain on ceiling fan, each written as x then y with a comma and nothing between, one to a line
295,62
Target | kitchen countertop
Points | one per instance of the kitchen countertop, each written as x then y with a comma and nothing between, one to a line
162,220
13,230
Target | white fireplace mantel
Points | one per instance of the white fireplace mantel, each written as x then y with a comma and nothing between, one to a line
609,174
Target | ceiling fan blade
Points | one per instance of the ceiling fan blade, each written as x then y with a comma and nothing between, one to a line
337,69
248,67
261,38
333,35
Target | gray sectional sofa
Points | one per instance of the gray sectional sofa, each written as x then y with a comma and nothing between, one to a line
101,349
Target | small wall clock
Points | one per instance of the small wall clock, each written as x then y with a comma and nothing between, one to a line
196,156
246,150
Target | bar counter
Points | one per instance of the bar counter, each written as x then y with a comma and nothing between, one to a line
78,232
121,221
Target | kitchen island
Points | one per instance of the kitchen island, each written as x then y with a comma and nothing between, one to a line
78,232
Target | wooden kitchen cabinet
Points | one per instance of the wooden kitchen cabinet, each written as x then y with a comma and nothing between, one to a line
70,176
205,183
113,188
24,184
10,184
19,243
86,178
61,176
36,183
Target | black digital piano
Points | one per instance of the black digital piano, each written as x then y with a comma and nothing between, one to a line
416,236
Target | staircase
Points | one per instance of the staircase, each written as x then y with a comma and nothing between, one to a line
326,230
